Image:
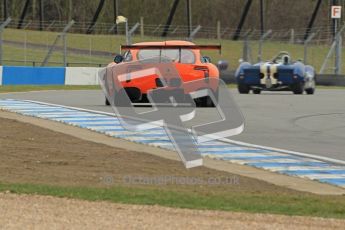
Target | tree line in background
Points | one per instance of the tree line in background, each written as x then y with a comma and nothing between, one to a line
278,14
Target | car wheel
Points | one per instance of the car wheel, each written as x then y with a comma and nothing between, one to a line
298,88
243,88
256,91
310,91
107,102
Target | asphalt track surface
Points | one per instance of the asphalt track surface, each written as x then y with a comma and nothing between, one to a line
313,124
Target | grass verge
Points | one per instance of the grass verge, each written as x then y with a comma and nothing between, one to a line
302,205
25,88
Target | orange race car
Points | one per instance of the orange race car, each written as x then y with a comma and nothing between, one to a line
184,55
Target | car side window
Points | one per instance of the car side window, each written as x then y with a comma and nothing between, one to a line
205,59
187,57
127,56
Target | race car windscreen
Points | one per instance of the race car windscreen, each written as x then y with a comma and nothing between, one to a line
186,56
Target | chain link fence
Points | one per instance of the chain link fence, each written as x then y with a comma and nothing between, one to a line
29,46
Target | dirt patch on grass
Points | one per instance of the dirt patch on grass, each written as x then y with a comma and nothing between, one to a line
43,212
30,154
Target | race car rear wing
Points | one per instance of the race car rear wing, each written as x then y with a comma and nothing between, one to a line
178,47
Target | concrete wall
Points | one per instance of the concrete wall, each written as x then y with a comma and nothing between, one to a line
0,75
330,79
20,75
33,76
324,79
81,76
17,75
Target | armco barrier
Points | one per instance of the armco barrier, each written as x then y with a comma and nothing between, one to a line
81,76
33,75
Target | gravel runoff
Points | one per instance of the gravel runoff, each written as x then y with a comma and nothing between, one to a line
46,212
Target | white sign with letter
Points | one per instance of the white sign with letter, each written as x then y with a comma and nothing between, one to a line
336,12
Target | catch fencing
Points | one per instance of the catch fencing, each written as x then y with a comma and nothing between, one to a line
31,47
